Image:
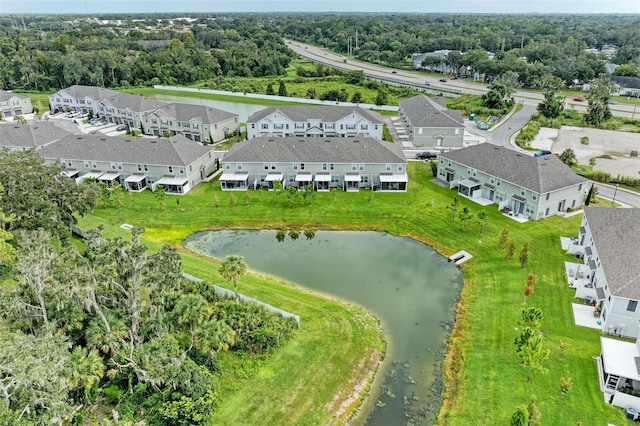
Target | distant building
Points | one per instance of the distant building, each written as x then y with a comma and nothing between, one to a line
315,121
627,86
430,124
196,122
12,105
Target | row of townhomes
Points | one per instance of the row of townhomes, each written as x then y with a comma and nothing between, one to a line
12,105
430,124
196,122
521,185
348,163
319,121
176,163
609,243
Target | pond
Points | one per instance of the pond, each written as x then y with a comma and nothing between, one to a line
406,284
243,110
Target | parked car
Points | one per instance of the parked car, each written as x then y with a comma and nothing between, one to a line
426,155
443,80
579,99
121,128
541,153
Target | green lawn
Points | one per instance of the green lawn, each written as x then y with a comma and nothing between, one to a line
303,382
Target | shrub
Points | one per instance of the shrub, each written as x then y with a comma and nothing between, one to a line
584,140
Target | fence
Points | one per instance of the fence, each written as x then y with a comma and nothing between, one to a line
230,294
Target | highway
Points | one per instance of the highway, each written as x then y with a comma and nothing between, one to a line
418,80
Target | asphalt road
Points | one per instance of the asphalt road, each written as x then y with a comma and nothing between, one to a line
622,196
414,77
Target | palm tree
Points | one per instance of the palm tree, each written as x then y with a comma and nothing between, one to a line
192,310
85,370
213,336
232,269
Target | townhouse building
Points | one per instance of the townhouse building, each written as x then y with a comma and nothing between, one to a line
429,123
315,121
346,163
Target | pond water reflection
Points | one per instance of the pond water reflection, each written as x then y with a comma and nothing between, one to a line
406,284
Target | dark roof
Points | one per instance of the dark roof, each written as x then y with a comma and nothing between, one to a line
204,114
93,92
316,150
137,103
627,82
5,96
423,111
30,135
538,174
615,235
174,151
329,114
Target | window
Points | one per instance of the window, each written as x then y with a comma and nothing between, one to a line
170,169
492,180
354,167
190,168
547,198
253,125
239,166
633,304
534,197
181,170
295,166
376,127
227,166
266,166
139,166
388,167
86,165
94,164
265,126
498,182
278,126
332,166
522,192
301,166
579,187
299,126
400,167
324,166
361,167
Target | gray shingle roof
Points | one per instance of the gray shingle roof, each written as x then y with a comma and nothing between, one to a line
175,151
316,150
5,96
423,111
93,92
539,174
30,135
616,238
204,114
329,114
136,103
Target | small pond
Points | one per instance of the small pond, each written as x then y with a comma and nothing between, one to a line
406,284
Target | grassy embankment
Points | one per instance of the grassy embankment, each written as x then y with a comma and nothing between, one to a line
303,382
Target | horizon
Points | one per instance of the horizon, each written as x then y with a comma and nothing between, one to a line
468,7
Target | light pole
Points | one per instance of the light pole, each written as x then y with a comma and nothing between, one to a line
614,194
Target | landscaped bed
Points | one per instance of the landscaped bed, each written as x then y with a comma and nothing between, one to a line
338,347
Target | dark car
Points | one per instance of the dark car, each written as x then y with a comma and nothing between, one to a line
121,128
443,80
426,155
542,153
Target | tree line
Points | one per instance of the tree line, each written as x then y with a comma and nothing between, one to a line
48,53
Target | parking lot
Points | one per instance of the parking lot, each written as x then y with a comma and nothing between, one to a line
78,123
618,145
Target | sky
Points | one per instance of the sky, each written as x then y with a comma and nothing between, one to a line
403,6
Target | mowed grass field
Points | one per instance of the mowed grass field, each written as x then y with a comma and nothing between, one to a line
330,358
